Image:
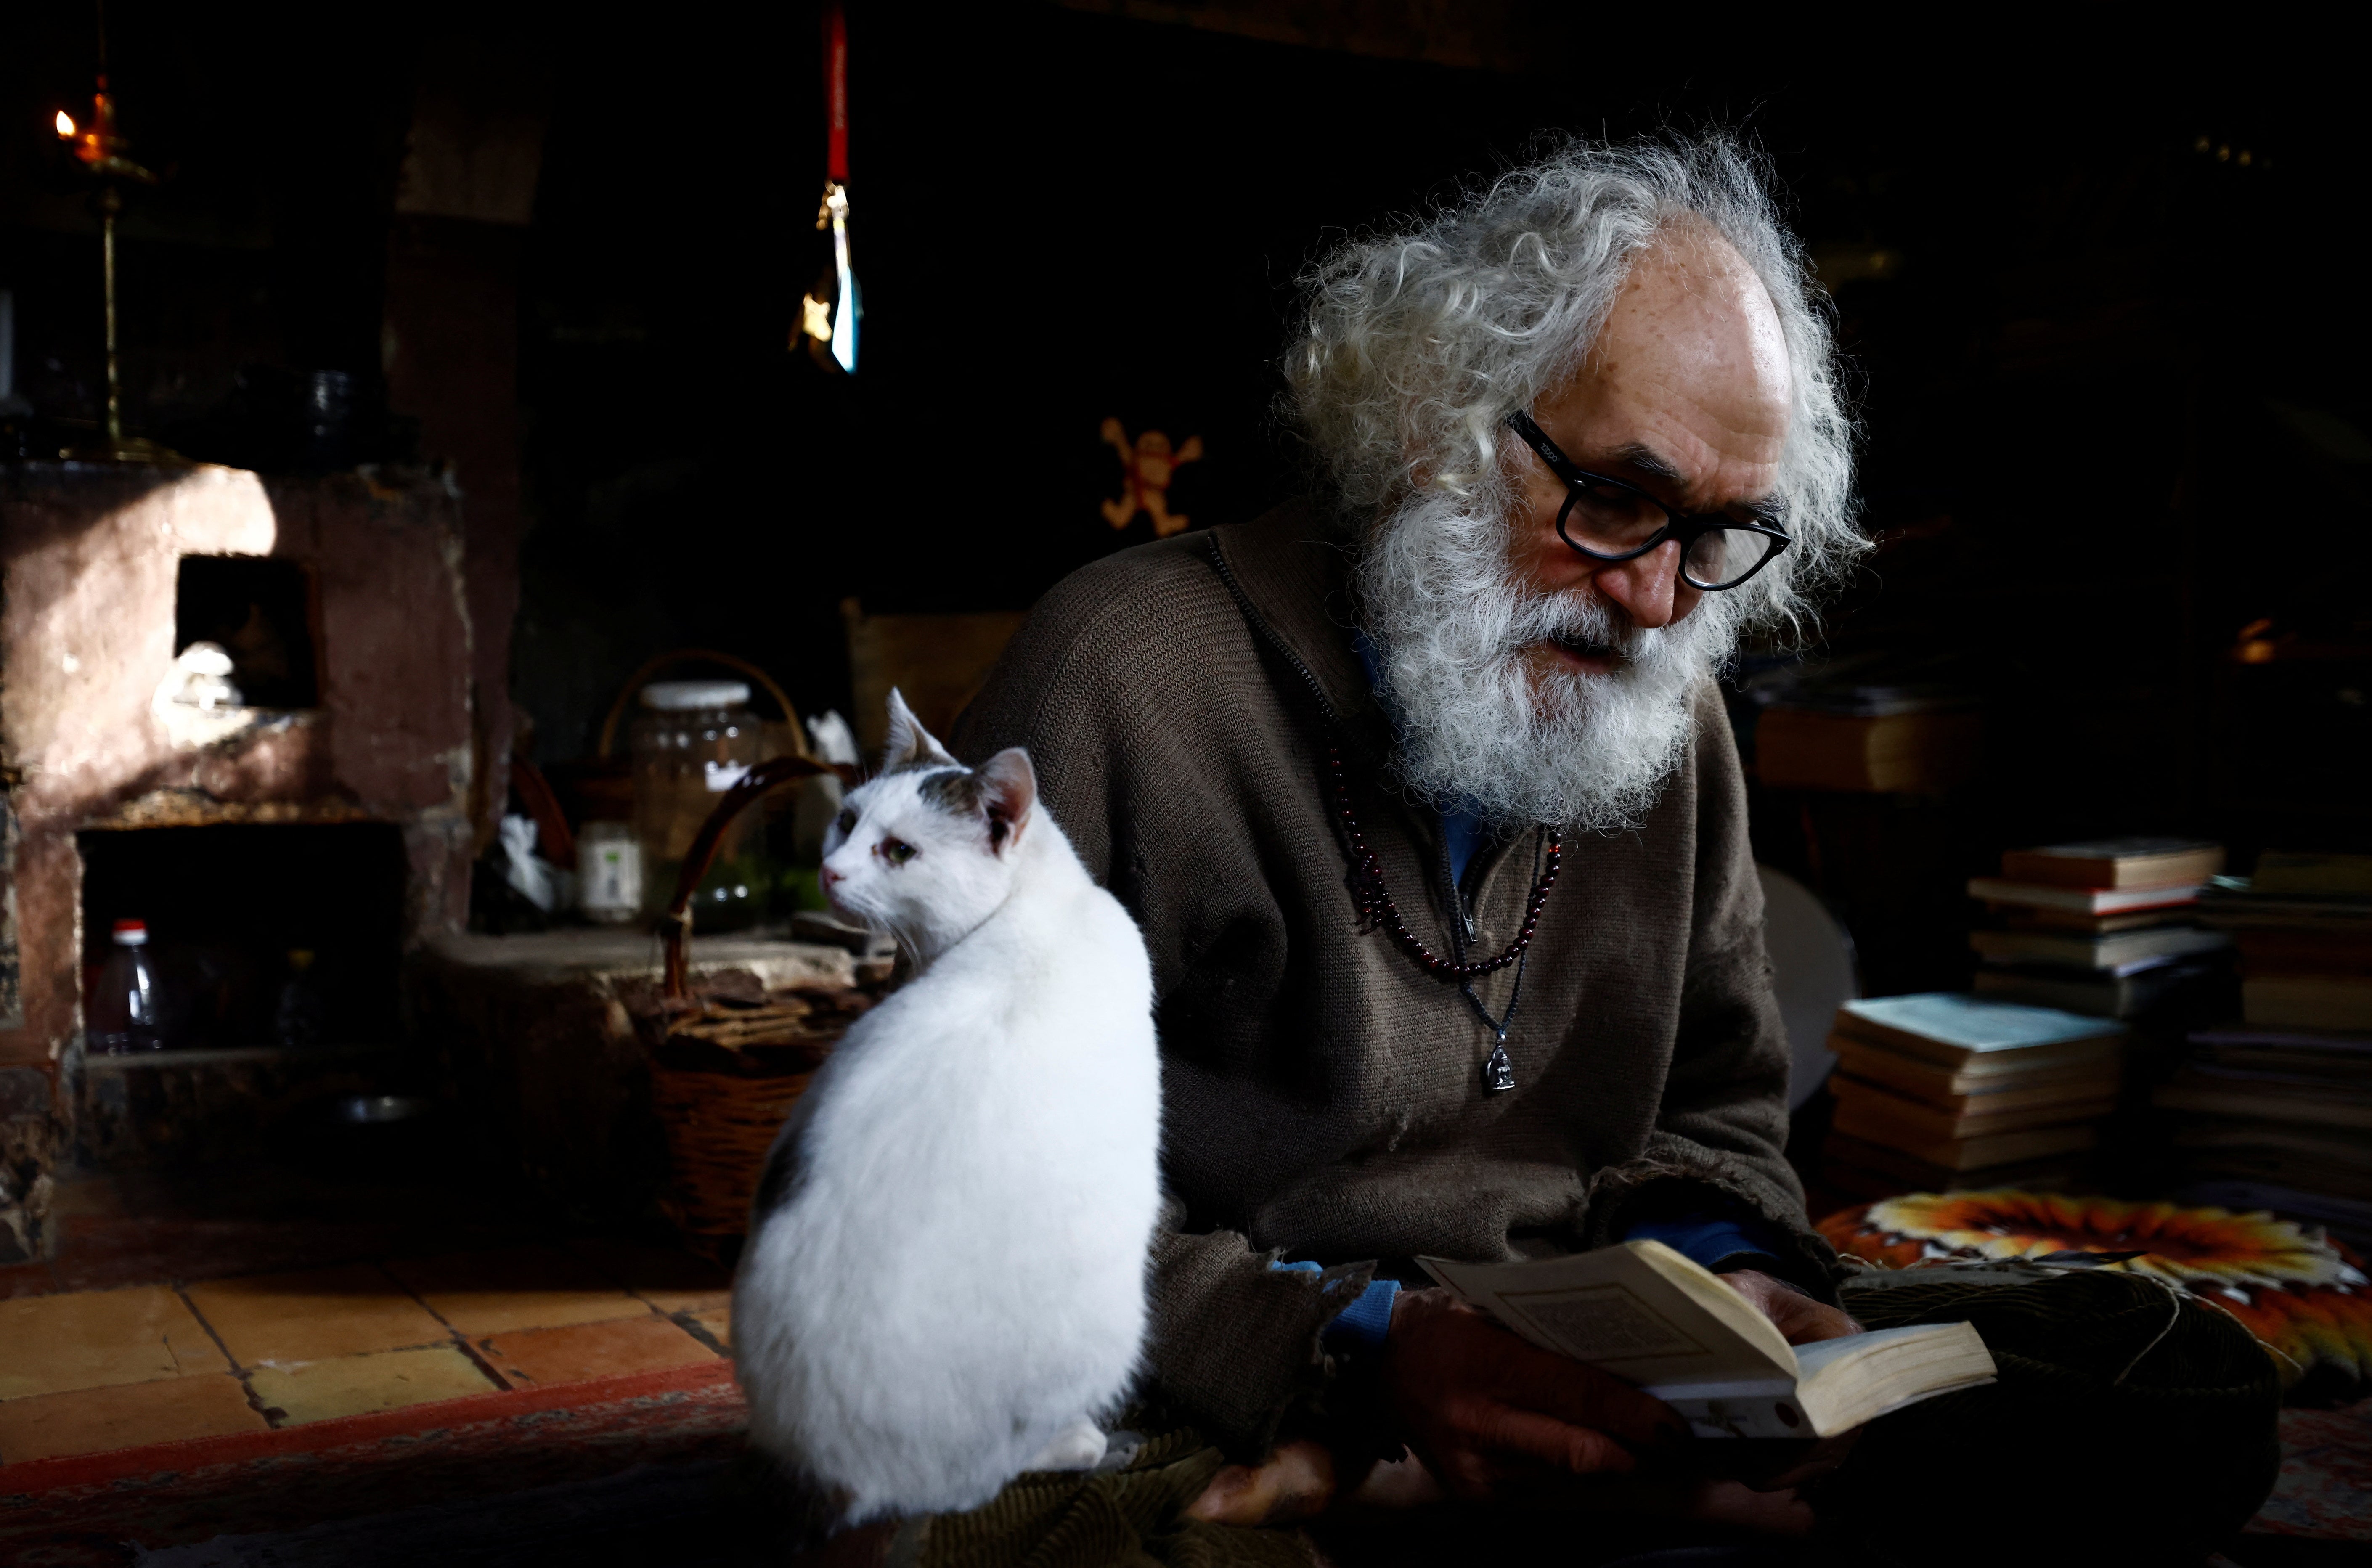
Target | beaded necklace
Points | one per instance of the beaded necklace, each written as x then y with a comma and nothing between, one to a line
1366,880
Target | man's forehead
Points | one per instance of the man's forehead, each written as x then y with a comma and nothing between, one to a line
1689,383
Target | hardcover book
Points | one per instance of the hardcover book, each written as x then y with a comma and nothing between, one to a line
2222,1093
2105,996
1928,1124
2092,1072
1651,1316
1994,1099
2301,874
2273,951
2029,918
2082,900
2117,863
1951,1028
2123,953
2339,1002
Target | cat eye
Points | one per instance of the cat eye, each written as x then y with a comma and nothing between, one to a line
896,851
846,822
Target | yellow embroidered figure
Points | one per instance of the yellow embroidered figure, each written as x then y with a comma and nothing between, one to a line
1148,466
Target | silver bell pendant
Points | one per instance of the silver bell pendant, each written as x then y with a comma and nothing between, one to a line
1498,1073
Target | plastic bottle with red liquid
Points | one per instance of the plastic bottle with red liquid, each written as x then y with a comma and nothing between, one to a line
126,1007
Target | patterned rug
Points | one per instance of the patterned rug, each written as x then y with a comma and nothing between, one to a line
2325,1492
616,1463
100,1510
2306,1297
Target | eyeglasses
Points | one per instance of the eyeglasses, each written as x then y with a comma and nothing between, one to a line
1609,520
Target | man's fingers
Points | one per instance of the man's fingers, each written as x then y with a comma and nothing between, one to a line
1575,1448
1799,1319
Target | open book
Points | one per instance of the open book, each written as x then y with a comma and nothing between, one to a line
1651,1316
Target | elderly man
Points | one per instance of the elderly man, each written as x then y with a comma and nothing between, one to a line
1426,802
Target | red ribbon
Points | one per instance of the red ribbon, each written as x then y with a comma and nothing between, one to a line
835,93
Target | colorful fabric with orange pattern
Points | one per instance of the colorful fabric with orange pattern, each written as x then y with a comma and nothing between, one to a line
2305,1297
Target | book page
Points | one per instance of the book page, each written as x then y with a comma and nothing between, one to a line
1616,1309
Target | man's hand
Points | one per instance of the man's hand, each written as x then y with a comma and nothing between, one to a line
1798,1317
1483,1408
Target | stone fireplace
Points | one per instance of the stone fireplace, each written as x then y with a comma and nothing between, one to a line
334,800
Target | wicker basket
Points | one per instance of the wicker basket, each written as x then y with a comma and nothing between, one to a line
728,1061
724,1074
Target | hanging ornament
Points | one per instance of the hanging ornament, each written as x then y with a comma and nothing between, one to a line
828,312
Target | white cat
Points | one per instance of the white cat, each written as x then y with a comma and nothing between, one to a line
945,1280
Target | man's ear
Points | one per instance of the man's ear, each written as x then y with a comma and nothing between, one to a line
1009,790
911,746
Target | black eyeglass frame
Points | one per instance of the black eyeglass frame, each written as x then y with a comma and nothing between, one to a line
1685,527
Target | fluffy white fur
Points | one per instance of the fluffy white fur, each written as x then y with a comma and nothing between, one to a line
949,1287
1450,619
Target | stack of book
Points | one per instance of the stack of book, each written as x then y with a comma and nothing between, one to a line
1944,1092
1870,721
2278,1118
2108,928
2304,924
2276,1112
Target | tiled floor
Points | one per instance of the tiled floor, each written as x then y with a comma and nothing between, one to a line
87,1370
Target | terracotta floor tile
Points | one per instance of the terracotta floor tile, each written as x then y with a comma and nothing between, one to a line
314,1315
96,1339
670,1280
520,1287
718,1323
356,1384
93,1421
591,1350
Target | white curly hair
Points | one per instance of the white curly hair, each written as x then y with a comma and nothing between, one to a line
1416,345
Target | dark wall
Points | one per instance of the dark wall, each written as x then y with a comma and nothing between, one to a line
1059,219
265,244
2107,366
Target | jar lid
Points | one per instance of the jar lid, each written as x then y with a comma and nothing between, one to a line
674,696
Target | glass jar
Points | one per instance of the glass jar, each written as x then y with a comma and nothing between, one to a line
692,742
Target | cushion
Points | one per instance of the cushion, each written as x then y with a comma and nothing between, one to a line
2303,1296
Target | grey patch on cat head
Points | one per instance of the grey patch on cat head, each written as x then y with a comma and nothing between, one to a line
955,791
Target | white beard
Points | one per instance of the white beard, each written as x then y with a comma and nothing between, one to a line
1477,728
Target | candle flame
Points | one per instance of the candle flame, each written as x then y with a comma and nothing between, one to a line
65,125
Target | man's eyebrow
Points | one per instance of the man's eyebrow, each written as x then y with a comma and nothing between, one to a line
1655,465
1649,462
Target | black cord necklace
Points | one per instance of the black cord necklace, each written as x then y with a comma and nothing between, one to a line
1377,909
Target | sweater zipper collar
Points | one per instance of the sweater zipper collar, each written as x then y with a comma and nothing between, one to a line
1491,853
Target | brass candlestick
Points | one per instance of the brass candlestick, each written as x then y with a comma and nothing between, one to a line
106,154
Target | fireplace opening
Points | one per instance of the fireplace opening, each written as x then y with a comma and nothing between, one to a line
280,935
260,610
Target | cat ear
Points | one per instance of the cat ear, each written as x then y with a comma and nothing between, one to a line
1008,792
911,746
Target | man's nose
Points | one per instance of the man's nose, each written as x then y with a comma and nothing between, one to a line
1647,588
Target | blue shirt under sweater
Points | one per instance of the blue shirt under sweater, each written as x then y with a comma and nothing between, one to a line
1717,1235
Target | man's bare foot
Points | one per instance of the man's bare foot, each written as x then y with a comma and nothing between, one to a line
1295,1482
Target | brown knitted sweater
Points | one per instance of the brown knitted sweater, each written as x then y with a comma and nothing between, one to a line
1322,1096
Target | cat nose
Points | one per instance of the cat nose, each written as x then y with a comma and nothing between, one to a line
830,877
